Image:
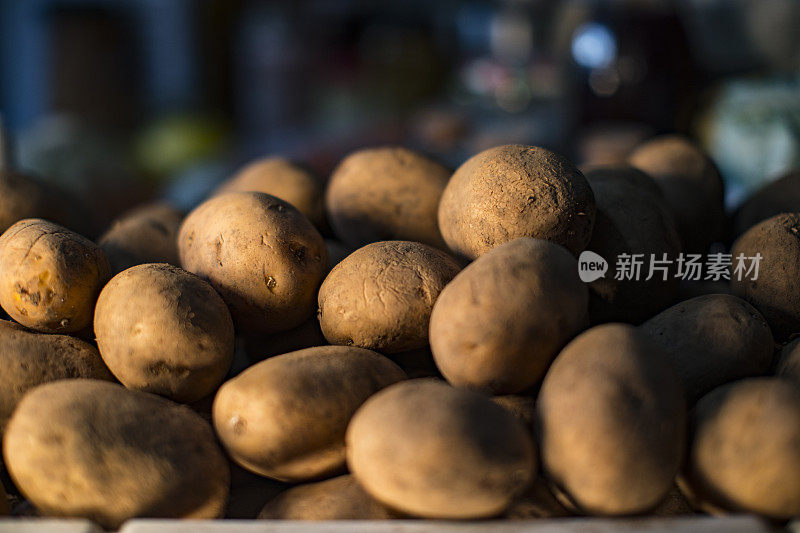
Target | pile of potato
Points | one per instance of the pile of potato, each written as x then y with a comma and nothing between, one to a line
404,342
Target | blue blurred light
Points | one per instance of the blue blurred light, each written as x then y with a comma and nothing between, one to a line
594,46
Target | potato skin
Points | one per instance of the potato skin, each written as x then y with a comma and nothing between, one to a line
50,276
611,421
776,292
381,296
261,254
712,340
163,330
774,198
516,191
388,193
92,449
285,417
743,451
447,453
502,320
789,362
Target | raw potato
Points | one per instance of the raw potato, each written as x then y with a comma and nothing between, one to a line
743,452
774,198
789,362
632,218
283,179
22,197
29,359
92,449
522,407
537,502
340,498
381,296
691,185
163,330
435,451
502,320
712,340
382,194
776,291
306,335
261,254
147,234
515,191
285,417
50,276
611,422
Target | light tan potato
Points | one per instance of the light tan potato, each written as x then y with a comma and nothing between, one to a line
515,191
381,296
261,254
380,194
435,451
611,422
779,196
92,449
50,276
340,498
283,179
163,330
285,417
743,451
502,320
147,234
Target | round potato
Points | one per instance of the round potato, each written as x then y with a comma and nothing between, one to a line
147,234
381,296
502,320
50,276
340,498
285,417
776,290
611,422
712,340
163,330
283,179
92,449
261,254
390,193
743,452
774,198
435,451
515,191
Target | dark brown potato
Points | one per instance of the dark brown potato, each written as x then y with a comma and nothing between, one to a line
515,191
522,407
712,340
92,449
691,185
776,291
417,363
391,193
306,335
147,234
22,197
502,320
261,254
774,198
537,502
611,422
675,504
50,276
789,362
381,296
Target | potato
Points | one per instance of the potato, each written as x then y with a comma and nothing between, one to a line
417,363
28,359
631,219
261,254
537,502
92,449
283,179
776,291
306,335
389,193
381,296
147,234
163,330
712,340
691,185
522,407
789,362
611,422
50,276
285,417
779,196
501,321
515,191
22,197
743,453
340,498
435,451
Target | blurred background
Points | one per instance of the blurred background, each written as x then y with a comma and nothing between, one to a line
124,100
